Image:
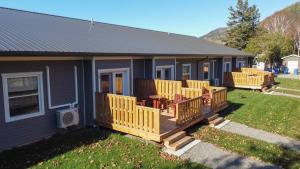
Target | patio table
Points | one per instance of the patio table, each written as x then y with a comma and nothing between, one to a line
156,100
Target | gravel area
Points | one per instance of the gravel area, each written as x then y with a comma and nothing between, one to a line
214,157
262,135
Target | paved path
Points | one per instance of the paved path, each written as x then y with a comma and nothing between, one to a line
214,157
262,135
289,76
283,88
283,94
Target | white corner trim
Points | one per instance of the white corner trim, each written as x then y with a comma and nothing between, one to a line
175,67
153,68
49,90
131,76
39,76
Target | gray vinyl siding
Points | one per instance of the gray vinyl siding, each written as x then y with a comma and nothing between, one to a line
148,68
138,68
194,66
29,130
88,85
164,62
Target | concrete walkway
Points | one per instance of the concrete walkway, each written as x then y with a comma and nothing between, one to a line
289,76
282,88
262,135
214,157
283,94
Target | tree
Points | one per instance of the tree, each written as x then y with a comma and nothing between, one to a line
242,24
270,46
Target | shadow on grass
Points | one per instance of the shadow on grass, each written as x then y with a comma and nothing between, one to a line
29,155
285,158
232,107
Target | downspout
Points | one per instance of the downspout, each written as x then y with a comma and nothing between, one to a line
175,69
131,76
153,68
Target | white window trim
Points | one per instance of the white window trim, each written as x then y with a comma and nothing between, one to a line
165,67
230,66
190,70
116,70
207,63
5,76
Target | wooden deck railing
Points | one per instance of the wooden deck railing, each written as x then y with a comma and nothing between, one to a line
188,110
121,113
218,98
143,88
196,84
258,72
191,92
239,79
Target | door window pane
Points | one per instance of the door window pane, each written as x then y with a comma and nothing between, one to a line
105,83
168,74
186,72
119,83
158,74
205,71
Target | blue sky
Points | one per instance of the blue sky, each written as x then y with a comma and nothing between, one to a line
189,17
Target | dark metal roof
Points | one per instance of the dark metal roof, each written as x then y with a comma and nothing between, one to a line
30,32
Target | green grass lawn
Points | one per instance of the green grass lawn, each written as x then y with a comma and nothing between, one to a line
90,148
267,112
249,147
288,83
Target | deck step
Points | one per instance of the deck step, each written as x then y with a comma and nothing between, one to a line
180,143
216,121
173,138
213,117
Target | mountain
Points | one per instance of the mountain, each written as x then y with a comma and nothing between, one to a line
216,35
288,16
286,20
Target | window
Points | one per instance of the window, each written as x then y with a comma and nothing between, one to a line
23,95
186,72
206,71
240,64
227,67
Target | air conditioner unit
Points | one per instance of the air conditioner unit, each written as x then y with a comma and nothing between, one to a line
67,117
216,82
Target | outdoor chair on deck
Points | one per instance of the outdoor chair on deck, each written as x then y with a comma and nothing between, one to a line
205,95
172,106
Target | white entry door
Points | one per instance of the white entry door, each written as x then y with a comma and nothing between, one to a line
114,81
165,72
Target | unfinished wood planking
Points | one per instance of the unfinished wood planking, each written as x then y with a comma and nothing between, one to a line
121,112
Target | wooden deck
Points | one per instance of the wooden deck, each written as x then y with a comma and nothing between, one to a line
122,113
248,78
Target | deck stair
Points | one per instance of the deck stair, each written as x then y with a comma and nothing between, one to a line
177,140
214,120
